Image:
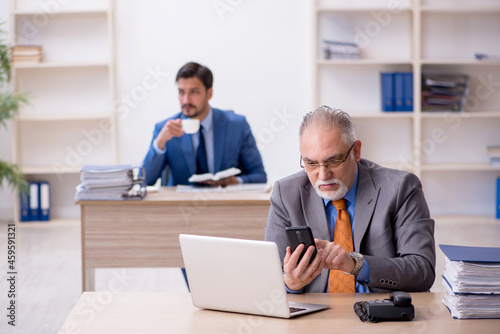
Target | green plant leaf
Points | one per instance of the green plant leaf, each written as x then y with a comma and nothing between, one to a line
9,106
4,59
13,175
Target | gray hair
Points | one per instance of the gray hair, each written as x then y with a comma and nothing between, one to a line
325,118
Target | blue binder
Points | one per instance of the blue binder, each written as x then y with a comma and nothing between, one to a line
399,91
387,84
408,91
44,201
34,201
471,254
498,198
24,205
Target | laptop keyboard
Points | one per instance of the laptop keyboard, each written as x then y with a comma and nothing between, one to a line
296,309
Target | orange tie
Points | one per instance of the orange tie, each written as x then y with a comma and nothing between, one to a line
338,281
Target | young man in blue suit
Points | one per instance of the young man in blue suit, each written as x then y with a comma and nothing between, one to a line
227,137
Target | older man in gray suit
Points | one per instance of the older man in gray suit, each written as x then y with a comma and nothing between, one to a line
392,232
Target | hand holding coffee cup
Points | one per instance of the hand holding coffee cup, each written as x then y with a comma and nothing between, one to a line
190,125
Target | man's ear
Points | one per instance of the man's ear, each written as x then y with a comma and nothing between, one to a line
357,150
210,92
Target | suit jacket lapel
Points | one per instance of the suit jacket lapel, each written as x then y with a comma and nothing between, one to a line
314,211
366,198
220,127
188,153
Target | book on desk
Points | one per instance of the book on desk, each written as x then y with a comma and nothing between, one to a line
223,174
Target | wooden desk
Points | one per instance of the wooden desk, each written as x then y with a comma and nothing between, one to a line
174,313
139,234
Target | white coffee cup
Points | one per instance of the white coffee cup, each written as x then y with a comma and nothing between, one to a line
190,125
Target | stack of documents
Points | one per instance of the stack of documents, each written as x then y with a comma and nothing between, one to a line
494,155
472,281
487,57
340,50
444,92
114,182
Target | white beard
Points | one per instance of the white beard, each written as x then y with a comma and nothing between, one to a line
331,195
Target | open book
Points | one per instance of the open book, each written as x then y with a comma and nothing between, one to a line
215,177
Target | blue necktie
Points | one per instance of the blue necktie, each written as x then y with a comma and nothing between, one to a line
201,155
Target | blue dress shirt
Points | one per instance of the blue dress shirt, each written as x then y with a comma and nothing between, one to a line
331,216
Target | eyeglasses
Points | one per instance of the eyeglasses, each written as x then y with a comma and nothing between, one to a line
330,164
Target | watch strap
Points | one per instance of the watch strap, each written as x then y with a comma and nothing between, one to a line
359,260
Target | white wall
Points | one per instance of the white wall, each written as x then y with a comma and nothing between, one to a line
259,51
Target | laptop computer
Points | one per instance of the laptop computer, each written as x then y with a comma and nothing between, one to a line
237,275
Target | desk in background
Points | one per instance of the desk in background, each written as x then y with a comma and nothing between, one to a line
110,313
144,234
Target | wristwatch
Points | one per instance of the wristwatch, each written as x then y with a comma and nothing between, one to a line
358,262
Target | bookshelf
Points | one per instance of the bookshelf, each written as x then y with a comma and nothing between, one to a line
71,120
446,150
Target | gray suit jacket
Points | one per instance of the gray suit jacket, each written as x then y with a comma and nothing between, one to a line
392,226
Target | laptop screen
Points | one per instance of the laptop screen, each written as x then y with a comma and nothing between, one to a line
235,275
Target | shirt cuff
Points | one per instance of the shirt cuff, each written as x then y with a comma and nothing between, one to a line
240,180
290,290
157,149
364,274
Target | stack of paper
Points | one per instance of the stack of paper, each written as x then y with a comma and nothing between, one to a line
114,182
494,155
486,57
340,50
444,92
472,281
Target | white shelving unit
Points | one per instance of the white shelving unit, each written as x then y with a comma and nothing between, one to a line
71,120
446,150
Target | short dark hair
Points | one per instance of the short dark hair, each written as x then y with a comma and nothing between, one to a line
201,72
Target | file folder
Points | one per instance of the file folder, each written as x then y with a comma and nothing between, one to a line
387,84
24,205
399,91
44,201
498,198
34,200
471,254
408,91
470,278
